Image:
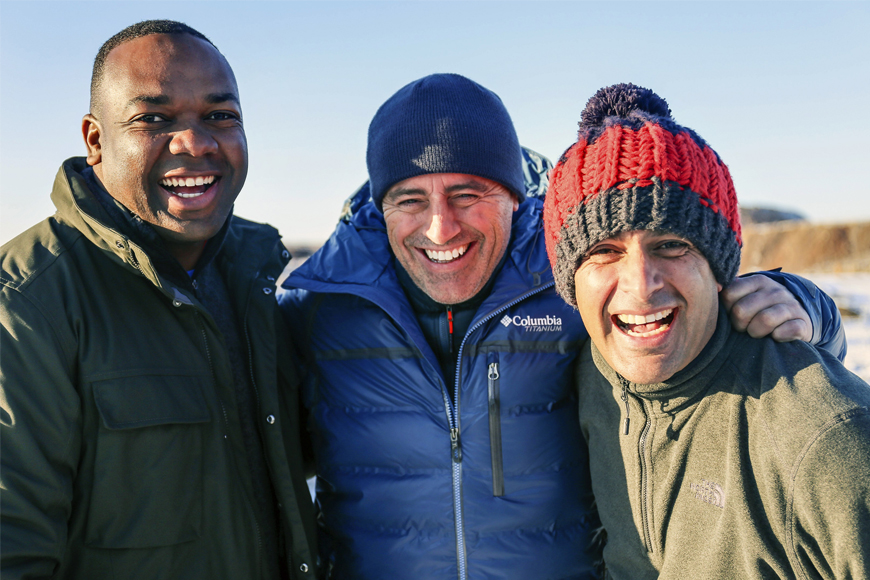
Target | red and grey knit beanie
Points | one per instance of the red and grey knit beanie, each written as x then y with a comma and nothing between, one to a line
634,168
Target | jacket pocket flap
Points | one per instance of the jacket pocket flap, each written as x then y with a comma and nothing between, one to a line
145,400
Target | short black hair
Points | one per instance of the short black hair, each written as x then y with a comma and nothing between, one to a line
133,31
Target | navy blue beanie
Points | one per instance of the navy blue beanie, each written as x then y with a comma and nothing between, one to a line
443,123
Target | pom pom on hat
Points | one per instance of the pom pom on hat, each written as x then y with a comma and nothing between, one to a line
634,168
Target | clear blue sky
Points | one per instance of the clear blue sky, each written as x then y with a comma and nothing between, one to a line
781,90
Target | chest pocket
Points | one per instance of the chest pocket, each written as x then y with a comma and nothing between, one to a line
148,464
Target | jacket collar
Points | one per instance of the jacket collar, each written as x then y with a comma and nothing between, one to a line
145,236
77,204
687,385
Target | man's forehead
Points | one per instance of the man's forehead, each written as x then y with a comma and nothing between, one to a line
142,66
153,56
449,182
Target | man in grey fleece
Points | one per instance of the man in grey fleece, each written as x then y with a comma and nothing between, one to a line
713,454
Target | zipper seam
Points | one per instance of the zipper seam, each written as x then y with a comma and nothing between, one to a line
453,422
257,396
645,469
495,431
226,420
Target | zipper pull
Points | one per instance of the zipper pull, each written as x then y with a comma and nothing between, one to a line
455,446
625,400
493,372
450,326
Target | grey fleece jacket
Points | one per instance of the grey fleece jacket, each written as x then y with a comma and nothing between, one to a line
752,462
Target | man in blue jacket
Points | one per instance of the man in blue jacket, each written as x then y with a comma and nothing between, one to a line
440,359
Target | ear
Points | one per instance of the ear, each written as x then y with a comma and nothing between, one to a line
92,132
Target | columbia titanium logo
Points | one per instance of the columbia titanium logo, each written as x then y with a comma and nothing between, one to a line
709,492
528,324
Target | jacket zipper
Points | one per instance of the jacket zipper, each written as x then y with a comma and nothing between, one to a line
226,421
644,468
259,428
211,367
495,427
455,441
450,329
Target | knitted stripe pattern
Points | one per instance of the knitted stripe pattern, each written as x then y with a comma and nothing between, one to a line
641,172
443,123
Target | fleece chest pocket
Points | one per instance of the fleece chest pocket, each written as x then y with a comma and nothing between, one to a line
148,464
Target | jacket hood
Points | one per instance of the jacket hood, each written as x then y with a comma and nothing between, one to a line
357,257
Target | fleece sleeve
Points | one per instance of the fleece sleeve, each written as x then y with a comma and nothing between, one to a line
40,439
828,330
829,510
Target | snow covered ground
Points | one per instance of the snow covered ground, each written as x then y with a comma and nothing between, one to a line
851,292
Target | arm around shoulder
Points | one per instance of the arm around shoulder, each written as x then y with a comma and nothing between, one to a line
826,330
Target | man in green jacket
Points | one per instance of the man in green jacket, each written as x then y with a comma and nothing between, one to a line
713,454
149,411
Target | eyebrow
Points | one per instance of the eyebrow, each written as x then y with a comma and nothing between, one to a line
211,99
473,185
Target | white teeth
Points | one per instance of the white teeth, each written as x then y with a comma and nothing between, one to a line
187,182
187,195
638,319
445,256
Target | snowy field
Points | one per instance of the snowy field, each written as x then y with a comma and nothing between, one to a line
851,292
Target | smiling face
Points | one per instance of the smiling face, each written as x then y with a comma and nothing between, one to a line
449,231
649,301
166,137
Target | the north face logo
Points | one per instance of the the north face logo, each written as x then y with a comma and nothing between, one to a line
540,324
709,492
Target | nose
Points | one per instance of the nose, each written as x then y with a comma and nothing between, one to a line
443,225
195,140
640,275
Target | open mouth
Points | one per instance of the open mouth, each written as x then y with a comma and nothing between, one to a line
445,256
188,187
645,326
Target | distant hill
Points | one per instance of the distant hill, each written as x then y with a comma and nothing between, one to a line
762,215
799,246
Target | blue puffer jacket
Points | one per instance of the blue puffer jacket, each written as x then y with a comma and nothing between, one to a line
410,485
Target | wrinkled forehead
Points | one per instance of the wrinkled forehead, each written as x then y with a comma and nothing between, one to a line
156,63
429,184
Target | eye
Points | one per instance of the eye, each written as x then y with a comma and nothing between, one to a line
601,254
674,248
223,116
409,203
464,199
149,118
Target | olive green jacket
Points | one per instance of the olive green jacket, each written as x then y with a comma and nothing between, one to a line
752,462
121,451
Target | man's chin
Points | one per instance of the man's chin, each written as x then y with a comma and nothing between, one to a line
645,370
